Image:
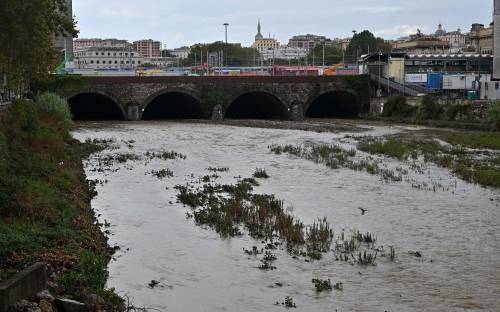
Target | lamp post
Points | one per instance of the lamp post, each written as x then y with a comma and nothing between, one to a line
225,26
379,91
323,54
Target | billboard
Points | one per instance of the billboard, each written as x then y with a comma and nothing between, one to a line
496,40
416,78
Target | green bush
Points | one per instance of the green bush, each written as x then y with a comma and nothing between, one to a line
429,109
89,276
493,116
53,104
452,111
397,107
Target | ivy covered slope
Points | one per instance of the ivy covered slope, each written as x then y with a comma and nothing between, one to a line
45,212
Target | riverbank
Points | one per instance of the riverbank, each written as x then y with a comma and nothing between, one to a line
45,208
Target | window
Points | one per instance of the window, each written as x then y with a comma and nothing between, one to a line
120,54
131,54
91,61
102,53
497,85
109,53
133,62
138,62
121,62
98,62
110,62
486,86
128,62
116,62
97,53
126,54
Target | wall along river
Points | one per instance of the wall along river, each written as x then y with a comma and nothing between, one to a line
455,229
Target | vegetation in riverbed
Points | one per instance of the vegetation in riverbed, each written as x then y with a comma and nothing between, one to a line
335,157
470,165
322,285
260,174
162,174
288,303
44,200
165,155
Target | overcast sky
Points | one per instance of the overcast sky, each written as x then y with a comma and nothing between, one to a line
185,22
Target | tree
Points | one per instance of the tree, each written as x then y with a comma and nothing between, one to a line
333,55
365,41
27,38
234,54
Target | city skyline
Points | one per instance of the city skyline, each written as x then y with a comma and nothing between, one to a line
186,23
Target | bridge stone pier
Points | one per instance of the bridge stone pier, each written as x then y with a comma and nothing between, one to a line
287,98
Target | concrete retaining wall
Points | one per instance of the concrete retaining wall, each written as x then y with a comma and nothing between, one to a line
24,285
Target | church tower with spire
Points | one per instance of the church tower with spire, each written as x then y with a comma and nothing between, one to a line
259,35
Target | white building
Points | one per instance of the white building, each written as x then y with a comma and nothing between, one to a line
284,53
108,58
487,89
181,53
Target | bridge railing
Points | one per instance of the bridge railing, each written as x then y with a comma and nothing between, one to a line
395,86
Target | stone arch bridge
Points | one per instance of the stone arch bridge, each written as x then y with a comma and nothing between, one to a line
288,98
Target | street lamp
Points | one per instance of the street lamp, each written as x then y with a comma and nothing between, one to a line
225,26
379,91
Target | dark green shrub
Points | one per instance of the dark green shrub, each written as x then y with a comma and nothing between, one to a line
397,107
453,111
429,109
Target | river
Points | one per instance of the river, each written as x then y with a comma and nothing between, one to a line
456,229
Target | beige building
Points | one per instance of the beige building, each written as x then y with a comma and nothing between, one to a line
482,38
148,48
307,41
456,39
422,45
263,45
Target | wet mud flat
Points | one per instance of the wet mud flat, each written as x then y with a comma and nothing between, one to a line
258,218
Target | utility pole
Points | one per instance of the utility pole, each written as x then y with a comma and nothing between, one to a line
379,91
225,26
323,54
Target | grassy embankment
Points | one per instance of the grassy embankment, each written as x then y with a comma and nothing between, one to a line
45,201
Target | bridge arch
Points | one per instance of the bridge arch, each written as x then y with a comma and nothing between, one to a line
334,104
95,105
173,104
257,105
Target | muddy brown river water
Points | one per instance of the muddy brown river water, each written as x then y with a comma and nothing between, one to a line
456,228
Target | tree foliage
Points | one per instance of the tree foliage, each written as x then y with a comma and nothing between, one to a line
28,29
234,54
333,55
365,41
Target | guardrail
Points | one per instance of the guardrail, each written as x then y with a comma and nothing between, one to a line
395,86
